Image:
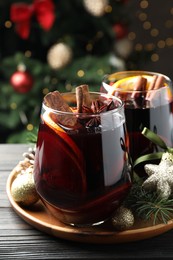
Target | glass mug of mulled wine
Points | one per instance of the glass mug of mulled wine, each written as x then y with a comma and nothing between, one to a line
82,171
148,102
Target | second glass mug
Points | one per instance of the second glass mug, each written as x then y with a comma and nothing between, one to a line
148,102
82,173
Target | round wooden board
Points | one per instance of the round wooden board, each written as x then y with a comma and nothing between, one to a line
38,216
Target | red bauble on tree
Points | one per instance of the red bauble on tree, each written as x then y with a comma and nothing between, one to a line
21,80
120,30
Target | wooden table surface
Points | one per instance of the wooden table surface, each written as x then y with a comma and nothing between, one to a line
19,240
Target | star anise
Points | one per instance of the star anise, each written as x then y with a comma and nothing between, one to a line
89,109
98,107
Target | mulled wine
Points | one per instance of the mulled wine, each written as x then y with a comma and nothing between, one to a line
82,172
158,119
148,102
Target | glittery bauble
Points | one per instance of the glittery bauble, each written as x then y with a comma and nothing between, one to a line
21,81
160,176
96,7
59,55
23,189
123,218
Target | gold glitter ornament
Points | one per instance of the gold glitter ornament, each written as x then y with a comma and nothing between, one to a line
59,55
23,188
123,218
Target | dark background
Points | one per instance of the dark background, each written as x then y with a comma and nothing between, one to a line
152,23
135,35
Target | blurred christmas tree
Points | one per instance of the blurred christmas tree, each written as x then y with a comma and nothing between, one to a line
47,45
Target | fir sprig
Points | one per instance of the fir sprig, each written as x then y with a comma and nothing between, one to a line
32,136
148,205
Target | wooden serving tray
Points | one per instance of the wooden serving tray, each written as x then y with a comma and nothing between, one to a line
38,216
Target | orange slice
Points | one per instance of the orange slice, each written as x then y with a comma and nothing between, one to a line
58,130
170,94
71,148
127,84
60,169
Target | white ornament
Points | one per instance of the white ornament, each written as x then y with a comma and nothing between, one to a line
123,47
96,7
59,55
160,176
117,62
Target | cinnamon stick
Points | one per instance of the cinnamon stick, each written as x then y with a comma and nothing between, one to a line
139,85
151,86
156,83
159,82
153,82
86,96
55,101
79,98
82,97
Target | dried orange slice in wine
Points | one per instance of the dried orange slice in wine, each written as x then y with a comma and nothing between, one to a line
127,84
58,130
68,152
59,170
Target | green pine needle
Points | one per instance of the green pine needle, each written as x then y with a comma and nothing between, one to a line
148,205
32,136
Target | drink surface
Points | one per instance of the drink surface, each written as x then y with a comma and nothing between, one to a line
82,175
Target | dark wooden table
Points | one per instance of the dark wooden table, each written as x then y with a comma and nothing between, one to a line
19,240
